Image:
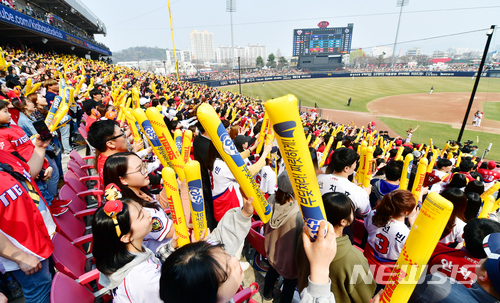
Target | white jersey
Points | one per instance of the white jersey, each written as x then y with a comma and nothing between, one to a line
268,180
331,183
141,284
456,234
387,241
222,179
161,226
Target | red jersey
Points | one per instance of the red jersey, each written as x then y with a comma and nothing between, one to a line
489,175
22,223
89,122
455,263
100,167
14,140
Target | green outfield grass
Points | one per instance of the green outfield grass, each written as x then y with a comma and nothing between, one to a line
440,133
492,110
334,92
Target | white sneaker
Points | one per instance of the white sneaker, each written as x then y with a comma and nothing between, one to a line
65,155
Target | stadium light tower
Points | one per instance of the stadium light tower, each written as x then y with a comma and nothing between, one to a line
231,8
400,3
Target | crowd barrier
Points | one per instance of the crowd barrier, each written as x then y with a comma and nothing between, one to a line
217,83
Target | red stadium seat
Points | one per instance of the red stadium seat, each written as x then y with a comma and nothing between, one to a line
64,289
70,260
380,270
78,203
358,230
80,189
256,239
72,227
81,160
83,175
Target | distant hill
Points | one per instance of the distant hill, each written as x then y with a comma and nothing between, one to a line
139,53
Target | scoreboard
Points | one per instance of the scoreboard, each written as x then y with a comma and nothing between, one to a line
319,41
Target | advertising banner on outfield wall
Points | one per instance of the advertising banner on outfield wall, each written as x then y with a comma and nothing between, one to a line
215,83
16,18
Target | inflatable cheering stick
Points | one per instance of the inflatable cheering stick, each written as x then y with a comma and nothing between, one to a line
174,201
291,139
421,242
195,192
225,146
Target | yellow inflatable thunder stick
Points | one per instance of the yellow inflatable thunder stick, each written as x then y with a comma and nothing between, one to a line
359,134
262,134
174,201
490,190
62,109
368,166
225,146
135,98
308,139
195,192
186,145
291,139
178,140
360,173
419,178
316,142
444,149
435,154
150,134
420,244
405,174
339,144
53,109
399,155
489,203
459,159
450,155
431,144
426,151
326,151
159,127
132,123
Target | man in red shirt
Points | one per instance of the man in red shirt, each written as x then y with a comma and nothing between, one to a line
26,225
459,264
490,175
466,167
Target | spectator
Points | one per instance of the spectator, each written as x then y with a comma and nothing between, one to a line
342,165
453,232
387,231
282,233
340,213
435,288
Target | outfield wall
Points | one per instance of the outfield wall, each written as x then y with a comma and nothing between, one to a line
217,83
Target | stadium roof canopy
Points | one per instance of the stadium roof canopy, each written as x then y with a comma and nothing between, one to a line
61,36
75,12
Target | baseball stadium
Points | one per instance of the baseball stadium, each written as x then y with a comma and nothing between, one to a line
334,174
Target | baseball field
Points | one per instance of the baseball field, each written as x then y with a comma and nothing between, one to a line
395,103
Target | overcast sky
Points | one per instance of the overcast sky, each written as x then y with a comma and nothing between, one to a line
271,22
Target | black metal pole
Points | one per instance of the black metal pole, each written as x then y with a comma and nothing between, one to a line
239,73
476,83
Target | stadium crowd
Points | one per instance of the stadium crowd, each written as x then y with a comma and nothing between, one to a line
135,247
42,15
